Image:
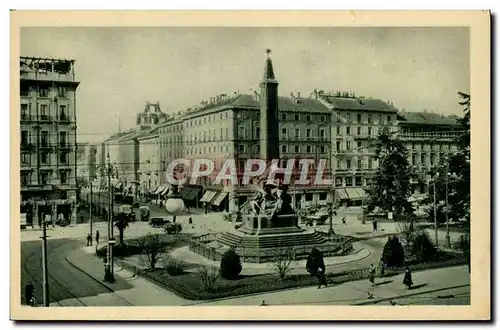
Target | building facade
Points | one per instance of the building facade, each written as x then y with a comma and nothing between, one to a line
149,158
48,135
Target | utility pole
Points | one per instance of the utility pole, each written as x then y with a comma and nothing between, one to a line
435,212
45,265
109,267
90,213
447,243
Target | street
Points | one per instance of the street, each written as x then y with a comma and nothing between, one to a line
68,286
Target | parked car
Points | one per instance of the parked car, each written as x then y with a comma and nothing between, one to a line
158,222
145,213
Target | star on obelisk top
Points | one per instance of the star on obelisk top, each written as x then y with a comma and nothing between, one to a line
268,52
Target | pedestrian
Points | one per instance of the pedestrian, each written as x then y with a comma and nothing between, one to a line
371,275
89,240
407,278
374,225
29,289
344,220
315,265
263,303
190,220
97,237
382,267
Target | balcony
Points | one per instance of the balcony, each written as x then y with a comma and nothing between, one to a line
27,146
46,76
26,118
427,136
64,145
364,137
64,119
45,146
45,118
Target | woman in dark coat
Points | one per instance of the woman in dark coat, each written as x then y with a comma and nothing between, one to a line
316,266
407,278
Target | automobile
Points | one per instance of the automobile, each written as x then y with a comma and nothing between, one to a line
145,213
158,222
172,228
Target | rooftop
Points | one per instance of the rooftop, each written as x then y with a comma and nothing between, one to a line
38,68
426,117
349,101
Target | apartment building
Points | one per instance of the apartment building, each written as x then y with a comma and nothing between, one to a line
356,122
149,158
48,136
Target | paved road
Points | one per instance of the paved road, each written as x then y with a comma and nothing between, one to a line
68,286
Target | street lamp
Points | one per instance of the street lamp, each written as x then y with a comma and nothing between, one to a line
174,203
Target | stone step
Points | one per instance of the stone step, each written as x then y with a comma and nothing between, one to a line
234,240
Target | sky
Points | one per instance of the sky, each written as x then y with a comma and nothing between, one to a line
120,69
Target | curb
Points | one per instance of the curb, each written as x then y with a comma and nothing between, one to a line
89,275
376,301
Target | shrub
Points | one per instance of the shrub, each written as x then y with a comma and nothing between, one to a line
152,248
173,228
422,247
282,260
209,276
174,266
230,265
393,253
463,245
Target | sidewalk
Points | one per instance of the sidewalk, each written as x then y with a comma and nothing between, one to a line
136,290
429,282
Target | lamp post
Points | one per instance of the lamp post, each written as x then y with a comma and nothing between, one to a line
174,203
447,237
435,211
109,276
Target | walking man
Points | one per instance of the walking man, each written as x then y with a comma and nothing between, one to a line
89,240
371,275
28,292
97,237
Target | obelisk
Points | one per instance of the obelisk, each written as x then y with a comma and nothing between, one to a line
269,127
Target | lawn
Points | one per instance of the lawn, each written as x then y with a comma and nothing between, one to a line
189,285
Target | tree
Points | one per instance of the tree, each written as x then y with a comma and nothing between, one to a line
152,248
282,261
122,221
422,247
230,265
463,245
390,186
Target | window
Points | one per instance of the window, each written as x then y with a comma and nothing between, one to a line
358,130
44,139
62,138
297,117
359,118
44,178
358,145
360,164
25,158
322,196
258,148
348,164
241,132
348,145
369,119
322,118
389,119
433,158
297,148
338,117
62,91
348,181
64,177
257,132
370,163
422,159
25,179
308,117
24,138
338,182
358,181
43,92
283,131
62,112
241,148
227,132
44,157
297,133
338,145
308,133
241,164
309,197
339,164
227,148
43,111
323,149
283,116
24,111
348,130
338,130
369,131
348,117
25,91
309,148
414,159
322,134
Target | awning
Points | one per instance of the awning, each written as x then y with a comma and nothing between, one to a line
217,200
153,190
165,190
342,193
129,186
355,193
118,185
208,196
159,189
190,193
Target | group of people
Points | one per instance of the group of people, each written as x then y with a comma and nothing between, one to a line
407,280
89,238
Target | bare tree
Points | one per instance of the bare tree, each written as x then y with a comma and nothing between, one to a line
282,261
152,248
